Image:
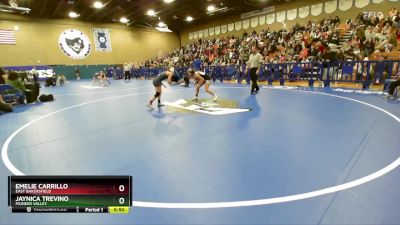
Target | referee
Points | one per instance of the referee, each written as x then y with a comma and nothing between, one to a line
254,63
127,71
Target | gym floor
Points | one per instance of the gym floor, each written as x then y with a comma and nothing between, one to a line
298,157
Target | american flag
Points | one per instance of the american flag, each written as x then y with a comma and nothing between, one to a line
7,37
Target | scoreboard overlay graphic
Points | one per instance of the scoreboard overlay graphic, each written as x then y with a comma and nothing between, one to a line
69,194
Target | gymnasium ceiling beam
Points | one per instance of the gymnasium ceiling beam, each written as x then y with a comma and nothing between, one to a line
60,3
43,7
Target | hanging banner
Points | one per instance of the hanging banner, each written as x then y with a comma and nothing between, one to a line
304,12
361,3
254,22
102,39
238,25
291,14
316,10
195,35
200,33
330,6
205,33
217,30
211,31
261,20
190,36
270,18
245,24
345,5
377,1
280,17
224,29
231,27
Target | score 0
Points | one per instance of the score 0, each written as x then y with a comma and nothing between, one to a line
121,189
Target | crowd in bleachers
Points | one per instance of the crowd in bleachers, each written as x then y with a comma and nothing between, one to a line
296,44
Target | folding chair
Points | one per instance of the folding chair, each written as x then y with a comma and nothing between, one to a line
297,71
347,70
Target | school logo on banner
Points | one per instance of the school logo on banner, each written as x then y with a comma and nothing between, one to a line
75,44
102,39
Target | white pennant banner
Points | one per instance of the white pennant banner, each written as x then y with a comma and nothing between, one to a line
238,25
345,5
331,6
224,29
304,12
254,22
262,20
316,10
280,17
292,14
361,3
205,33
245,24
217,30
270,18
231,27
211,31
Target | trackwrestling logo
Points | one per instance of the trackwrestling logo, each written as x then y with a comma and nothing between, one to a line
75,44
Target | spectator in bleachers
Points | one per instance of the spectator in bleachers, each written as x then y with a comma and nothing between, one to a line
15,81
392,87
393,14
2,73
369,46
5,107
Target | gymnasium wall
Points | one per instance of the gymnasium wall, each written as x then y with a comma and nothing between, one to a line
384,6
37,42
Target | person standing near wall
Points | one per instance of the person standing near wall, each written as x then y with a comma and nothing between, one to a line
254,63
2,73
35,75
77,73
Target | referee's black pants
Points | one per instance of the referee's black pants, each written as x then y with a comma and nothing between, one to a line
253,77
127,75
